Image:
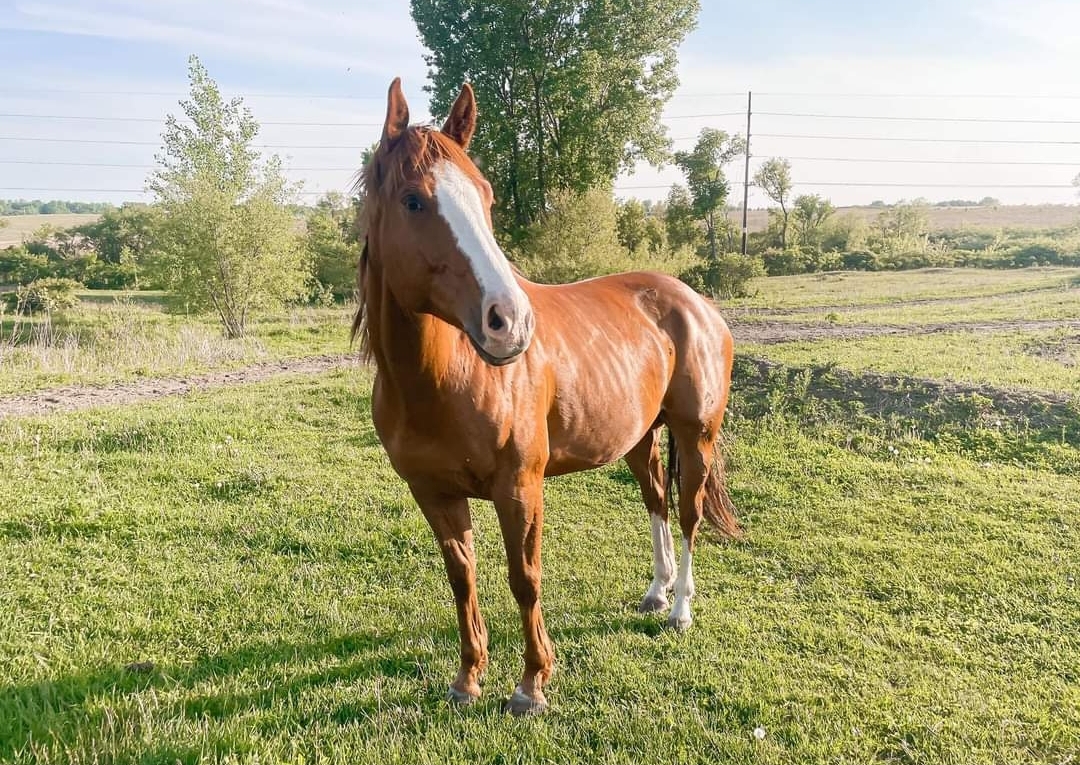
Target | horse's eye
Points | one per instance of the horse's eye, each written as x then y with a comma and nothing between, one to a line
412,203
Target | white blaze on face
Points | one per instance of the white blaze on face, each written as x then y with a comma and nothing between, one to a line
463,209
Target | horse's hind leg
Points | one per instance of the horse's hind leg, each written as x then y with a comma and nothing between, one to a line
695,443
644,462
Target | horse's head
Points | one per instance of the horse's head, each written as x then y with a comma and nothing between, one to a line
429,226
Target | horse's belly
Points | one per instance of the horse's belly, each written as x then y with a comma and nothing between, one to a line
601,431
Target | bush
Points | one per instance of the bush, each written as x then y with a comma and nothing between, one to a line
43,295
20,266
787,262
111,276
577,239
728,276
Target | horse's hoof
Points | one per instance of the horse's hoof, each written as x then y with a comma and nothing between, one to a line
679,623
653,604
522,705
461,698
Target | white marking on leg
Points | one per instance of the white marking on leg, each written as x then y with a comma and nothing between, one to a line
684,589
663,560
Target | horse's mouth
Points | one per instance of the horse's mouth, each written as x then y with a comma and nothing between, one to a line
495,361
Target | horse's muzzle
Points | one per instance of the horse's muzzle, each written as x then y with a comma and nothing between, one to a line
507,326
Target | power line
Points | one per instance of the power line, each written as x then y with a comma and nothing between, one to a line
986,96
158,143
988,120
898,185
87,118
184,93
917,140
151,167
697,116
110,191
935,161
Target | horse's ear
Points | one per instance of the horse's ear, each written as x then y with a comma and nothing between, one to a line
397,116
461,124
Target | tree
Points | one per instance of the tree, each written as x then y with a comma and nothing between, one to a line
576,239
1076,181
632,225
123,235
682,229
571,91
228,242
774,178
809,214
704,171
331,242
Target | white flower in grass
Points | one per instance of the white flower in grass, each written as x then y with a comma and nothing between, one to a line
759,733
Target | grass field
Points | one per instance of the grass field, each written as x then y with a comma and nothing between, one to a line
113,337
21,226
237,576
951,218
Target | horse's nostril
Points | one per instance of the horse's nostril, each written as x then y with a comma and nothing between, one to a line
495,321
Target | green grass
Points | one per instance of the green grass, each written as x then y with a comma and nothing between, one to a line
1037,360
916,605
116,337
857,288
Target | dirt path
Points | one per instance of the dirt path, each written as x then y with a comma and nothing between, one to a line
75,397
949,300
770,332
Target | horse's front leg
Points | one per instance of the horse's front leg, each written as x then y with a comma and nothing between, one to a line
519,504
452,523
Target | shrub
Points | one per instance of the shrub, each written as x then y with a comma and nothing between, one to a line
111,276
728,276
20,266
43,295
576,239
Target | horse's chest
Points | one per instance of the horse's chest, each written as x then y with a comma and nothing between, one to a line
427,445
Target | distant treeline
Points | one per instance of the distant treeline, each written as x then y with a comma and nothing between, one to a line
52,207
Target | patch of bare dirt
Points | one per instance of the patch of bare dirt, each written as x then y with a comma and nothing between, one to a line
878,394
937,301
74,397
1064,350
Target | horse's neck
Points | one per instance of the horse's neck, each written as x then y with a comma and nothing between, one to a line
415,352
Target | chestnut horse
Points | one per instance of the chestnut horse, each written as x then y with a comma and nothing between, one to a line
486,383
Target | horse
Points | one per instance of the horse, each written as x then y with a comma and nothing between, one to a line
486,383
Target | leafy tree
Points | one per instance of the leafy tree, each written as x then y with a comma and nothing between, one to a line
123,235
228,242
809,216
704,171
1076,181
571,91
632,224
577,238
655,235
682,229
774,178
330,240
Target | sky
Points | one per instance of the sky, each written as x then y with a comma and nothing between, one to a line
942,99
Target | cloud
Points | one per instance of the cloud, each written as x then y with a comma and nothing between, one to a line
269,31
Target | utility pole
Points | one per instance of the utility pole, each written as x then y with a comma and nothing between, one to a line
746,172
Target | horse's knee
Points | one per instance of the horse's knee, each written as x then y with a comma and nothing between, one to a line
525,585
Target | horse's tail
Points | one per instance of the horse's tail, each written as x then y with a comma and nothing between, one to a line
716,506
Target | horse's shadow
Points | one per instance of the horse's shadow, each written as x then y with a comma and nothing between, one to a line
52,706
